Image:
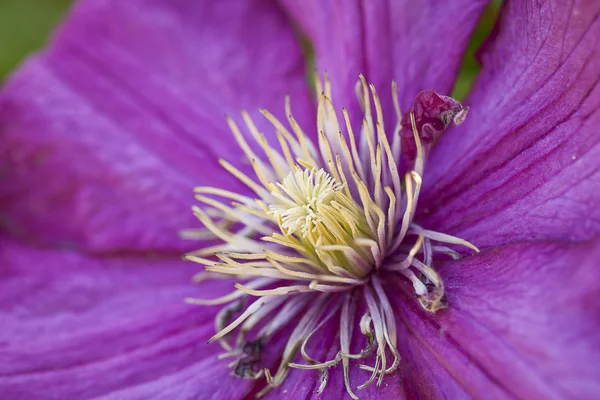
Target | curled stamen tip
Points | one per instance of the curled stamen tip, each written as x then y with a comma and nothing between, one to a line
470,246
433,303
460,117
417,178
324,378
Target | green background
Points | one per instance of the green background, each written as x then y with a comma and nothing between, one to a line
25,25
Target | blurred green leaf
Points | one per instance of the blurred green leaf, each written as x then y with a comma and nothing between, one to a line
470,67
24,27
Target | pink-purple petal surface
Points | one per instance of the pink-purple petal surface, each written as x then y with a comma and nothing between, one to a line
105,133
76,327
522,323
419,44
526,163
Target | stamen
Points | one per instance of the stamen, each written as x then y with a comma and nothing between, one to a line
260,282
289,311
326,226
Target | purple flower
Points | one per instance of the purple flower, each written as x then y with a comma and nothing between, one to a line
106,131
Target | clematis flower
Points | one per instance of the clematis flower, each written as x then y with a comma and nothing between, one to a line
106,132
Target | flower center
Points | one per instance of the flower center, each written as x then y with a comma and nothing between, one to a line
321,229
305,199
318,212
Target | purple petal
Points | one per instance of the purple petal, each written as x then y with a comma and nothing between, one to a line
80,327
523,322
525,165
106,132
419,45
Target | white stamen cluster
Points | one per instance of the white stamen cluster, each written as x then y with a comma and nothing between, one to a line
321,229
306,201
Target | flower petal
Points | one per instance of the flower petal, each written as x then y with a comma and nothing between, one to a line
106,132
523,322
80,327
419,45
526,163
